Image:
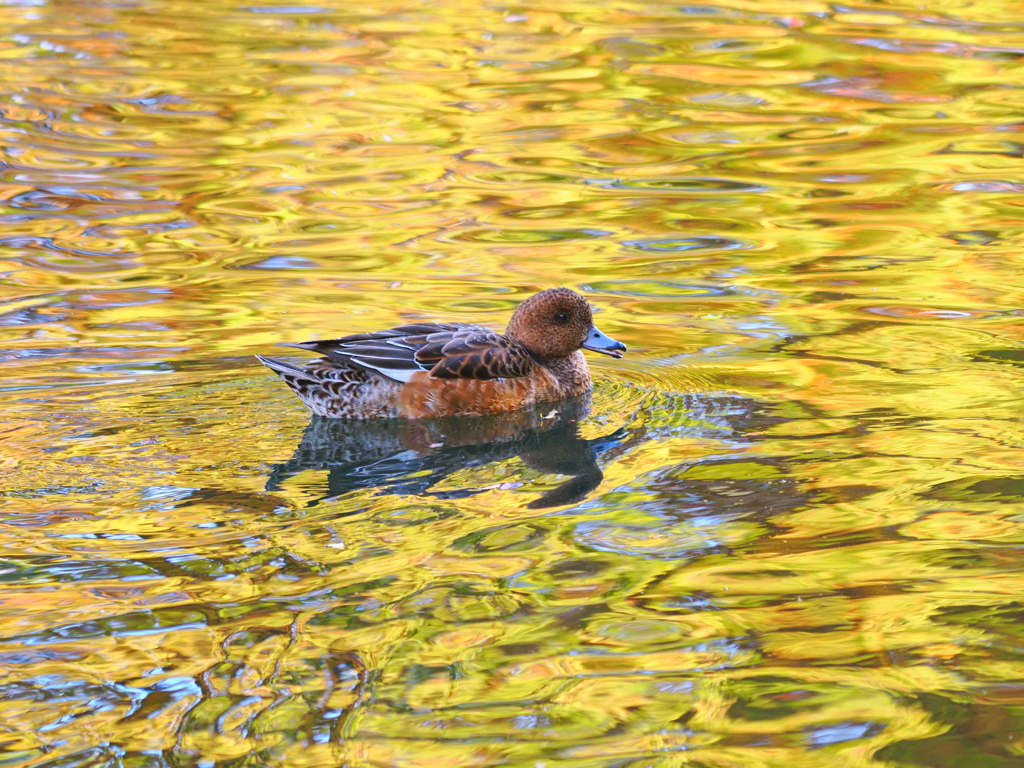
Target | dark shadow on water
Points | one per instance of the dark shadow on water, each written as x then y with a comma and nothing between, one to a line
413,456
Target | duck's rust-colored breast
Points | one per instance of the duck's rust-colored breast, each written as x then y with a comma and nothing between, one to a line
427,397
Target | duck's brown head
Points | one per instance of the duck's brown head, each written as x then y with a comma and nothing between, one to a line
555,323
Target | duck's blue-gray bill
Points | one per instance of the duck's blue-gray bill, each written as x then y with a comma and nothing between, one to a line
606,345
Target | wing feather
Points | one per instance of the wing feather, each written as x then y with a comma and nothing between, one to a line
445,350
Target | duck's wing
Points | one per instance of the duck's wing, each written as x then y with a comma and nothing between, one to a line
473,352
445,350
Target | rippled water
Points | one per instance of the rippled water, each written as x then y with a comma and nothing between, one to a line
788,529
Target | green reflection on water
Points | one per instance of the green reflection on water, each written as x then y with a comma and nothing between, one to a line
786,532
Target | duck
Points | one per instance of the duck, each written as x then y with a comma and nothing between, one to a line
435,370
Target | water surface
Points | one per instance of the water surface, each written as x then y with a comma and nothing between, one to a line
785,532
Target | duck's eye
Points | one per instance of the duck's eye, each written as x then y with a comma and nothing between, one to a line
561,317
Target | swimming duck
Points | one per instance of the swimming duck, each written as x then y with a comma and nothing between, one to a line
427,370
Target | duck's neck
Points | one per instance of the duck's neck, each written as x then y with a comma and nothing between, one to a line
570,372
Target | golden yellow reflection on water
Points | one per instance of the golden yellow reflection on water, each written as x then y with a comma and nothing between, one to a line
786,532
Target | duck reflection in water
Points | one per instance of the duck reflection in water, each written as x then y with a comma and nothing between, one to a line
408,456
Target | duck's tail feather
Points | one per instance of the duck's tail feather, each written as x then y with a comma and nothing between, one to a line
330,388
281,368
306,384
